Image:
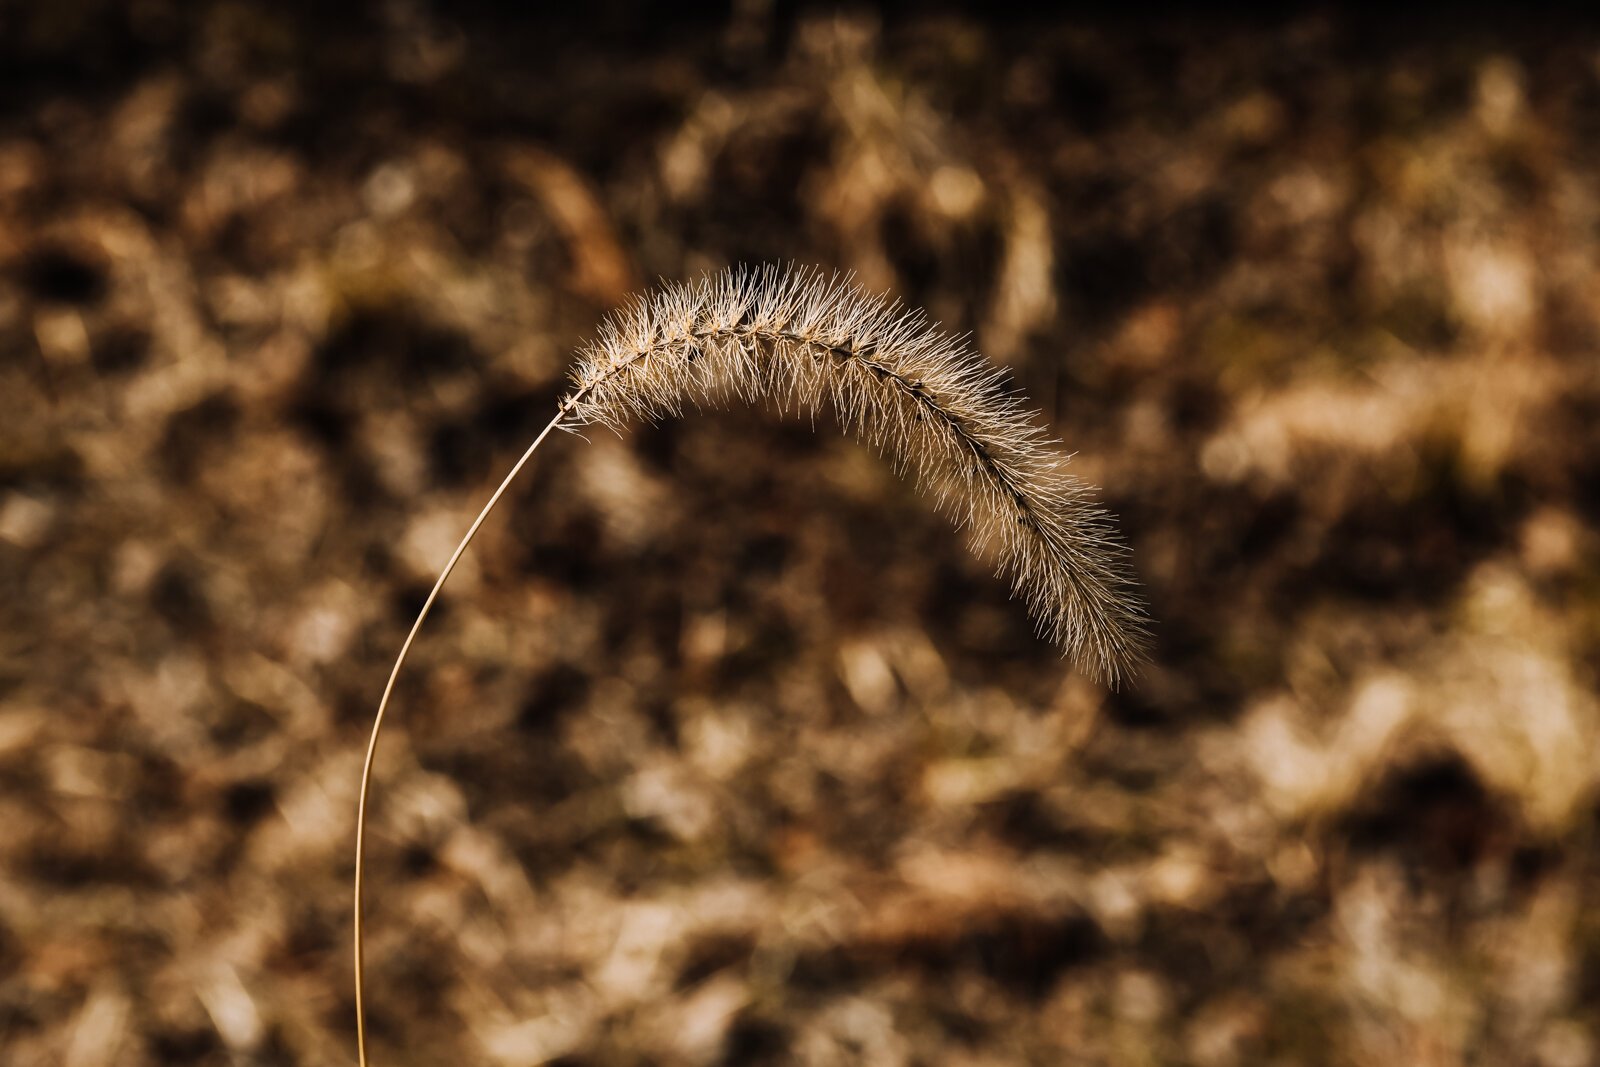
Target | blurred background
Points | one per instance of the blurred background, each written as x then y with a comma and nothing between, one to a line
722,748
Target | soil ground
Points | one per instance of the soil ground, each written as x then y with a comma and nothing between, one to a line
723,749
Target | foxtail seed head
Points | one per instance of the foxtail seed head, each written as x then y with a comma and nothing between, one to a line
804,339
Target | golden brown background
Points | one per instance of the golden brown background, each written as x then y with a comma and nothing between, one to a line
723,749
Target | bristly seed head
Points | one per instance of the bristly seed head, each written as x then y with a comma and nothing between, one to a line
916,394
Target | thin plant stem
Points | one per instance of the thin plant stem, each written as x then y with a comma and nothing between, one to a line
383,706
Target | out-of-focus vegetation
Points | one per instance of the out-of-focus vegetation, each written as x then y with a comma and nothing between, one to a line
722,749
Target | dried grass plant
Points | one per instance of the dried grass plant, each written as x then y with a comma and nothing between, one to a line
806,341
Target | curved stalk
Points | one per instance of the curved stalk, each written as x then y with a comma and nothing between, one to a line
810,341
383,707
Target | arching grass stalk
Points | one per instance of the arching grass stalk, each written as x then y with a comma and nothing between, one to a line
936,408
